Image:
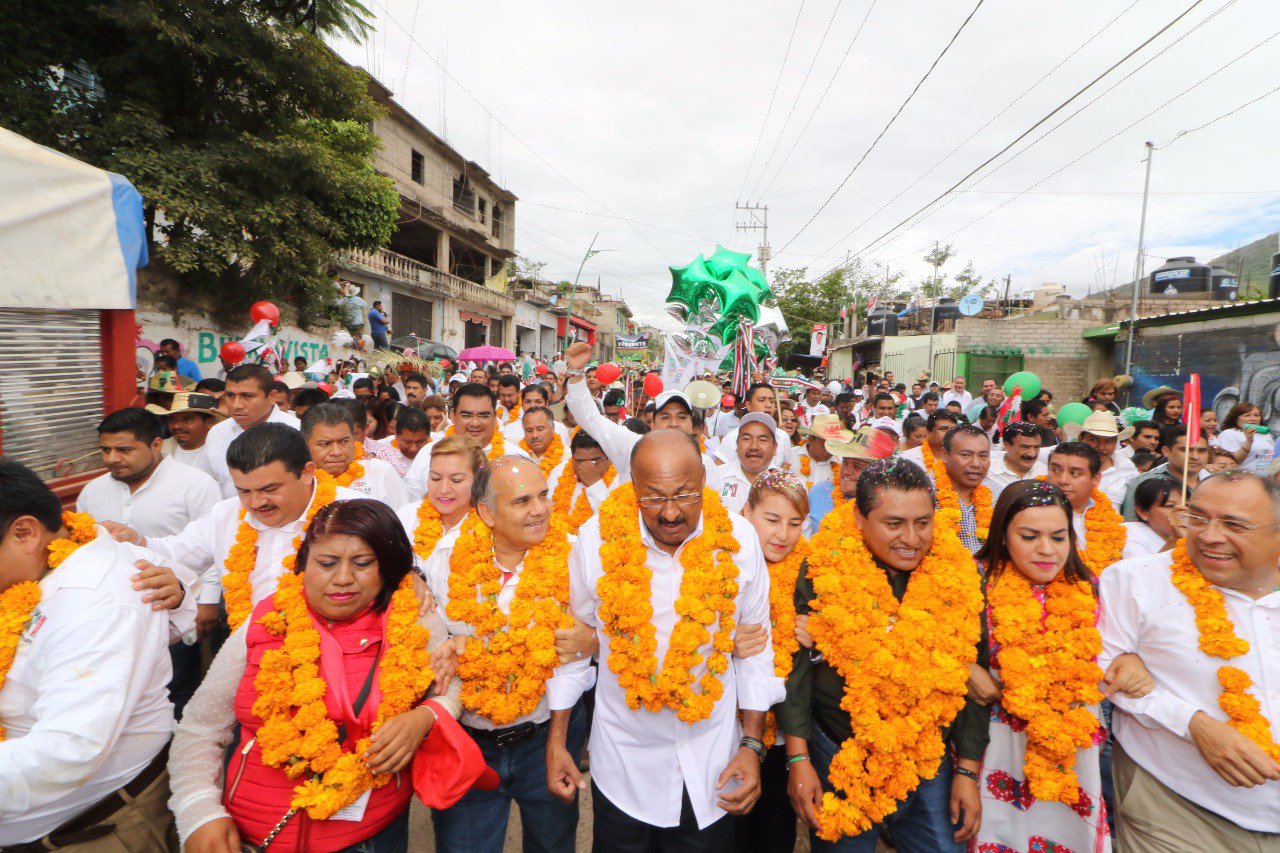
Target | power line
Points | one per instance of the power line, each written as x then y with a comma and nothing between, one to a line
769,110
885,130
1183,133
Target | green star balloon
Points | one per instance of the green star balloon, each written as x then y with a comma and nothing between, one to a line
739,288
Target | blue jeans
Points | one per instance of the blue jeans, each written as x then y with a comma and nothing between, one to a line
394,838
478,822
922,823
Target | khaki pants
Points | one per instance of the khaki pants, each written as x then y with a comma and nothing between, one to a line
1150,818
145,825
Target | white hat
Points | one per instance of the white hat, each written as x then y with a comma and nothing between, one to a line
834,387
667,396
888,423
1100,424
858,392
758,418
458,377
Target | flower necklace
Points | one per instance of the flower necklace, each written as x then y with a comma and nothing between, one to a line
509,656
237,590
1048,662
1104,534
551,458
429,530
905,665
782,621
927,453
297,734
354,472
512,414
949,500
566,486
707,593
497,444
19,601
1218,639
806,467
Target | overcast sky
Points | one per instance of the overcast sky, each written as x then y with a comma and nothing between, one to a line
639,121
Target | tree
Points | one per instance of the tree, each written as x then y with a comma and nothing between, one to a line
934,286
804,301
247,137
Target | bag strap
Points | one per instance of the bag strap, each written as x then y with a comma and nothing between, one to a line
363,696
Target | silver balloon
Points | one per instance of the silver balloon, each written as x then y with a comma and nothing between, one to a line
774,324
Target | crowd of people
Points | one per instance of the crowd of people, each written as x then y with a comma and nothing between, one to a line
877,616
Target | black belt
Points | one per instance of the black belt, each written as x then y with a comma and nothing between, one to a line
91,824
504,738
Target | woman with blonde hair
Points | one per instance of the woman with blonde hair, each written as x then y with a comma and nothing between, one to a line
439,515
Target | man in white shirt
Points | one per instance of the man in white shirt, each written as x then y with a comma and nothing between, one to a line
1188,780
189,420
940,423
659,782
248,400
673,411
1020,459
509,400
1100,432
474,417
756,448
1074,467
275,483
532,397
540,439
810,407
330,433
812,461
412,436
591,470
957,393
761,397
83,705
156,496
513,500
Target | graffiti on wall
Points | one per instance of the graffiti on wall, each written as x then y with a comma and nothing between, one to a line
1234,366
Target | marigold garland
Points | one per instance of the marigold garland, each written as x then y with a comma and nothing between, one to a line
509,656
1218,639
708,593
949,501
497,444
782,620
806,467
566,485
926,452
297,734
551,458
513,414
1048,664
19,601
1104,534
905,665
237,590
354,472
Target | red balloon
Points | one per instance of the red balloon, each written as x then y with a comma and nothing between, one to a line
652,385
232,352
607,374
260,311
541,370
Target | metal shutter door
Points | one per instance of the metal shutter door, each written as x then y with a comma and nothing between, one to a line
50,387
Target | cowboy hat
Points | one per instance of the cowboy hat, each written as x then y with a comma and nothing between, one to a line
867,443
1149,399
1098,423
188,401
170,382
826,427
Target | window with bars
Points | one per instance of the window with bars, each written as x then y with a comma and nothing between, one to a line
417,167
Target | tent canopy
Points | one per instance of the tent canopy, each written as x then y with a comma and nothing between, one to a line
71,234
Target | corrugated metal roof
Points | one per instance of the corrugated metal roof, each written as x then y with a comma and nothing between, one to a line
1252,306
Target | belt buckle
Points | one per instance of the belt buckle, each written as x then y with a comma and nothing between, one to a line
512,735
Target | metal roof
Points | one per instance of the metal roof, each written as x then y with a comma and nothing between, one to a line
1230,309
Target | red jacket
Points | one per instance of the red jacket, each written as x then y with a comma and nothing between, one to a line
258,796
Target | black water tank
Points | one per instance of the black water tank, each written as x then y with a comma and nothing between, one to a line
1182,275
1225,284
882,322
945,309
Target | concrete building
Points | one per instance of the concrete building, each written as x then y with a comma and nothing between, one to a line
610,315
537,317
456,232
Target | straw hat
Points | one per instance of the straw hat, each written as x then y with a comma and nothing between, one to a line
828,428
1099,423
1149,398
867,443
170,382
188,401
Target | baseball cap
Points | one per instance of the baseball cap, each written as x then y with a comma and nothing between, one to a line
758,418
667,396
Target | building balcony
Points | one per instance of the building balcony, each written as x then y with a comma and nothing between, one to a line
432,281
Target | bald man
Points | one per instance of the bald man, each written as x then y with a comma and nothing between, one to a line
660,783
511,498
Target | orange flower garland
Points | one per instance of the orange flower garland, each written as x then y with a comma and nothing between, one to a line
513,414
1218,639
1104,534
806,467
708,592
354,472
949,501
550,459
563,494
905,665
297,734
19,601
510,656
497,444
1048,664
237,590
927,453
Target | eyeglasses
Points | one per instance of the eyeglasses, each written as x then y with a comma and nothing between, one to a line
1239,528
473,416
687,499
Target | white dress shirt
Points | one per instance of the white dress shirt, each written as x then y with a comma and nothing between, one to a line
1140,540
819,472
85,704
408,515
643,761
1000,475
415,479
195,458
1115,480
735,485
1143,612
728,449
382,483
964,398
203,545
171,498
219,439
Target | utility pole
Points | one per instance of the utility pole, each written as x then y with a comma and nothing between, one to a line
1005,307
1138,263
757,219
568,320
933,302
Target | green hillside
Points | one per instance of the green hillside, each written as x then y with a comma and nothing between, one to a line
1253,264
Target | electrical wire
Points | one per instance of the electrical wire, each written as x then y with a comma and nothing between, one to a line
885,129
769,110
1183,133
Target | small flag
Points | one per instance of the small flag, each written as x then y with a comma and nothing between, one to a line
871,303
1191,408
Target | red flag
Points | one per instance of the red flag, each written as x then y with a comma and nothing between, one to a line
1191,408
871,304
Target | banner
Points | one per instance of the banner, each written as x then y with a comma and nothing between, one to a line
632,345
818,342
689,357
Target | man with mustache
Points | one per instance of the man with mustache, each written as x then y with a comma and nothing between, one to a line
1019,460
189,419
248,401
967,456
756,447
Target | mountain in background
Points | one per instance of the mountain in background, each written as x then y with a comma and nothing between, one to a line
1252,263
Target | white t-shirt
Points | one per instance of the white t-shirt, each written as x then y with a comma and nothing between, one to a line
1260,453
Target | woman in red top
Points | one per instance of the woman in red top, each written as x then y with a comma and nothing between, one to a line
351,610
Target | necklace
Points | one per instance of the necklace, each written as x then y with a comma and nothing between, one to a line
1104,534
566,485
551,458
949,501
